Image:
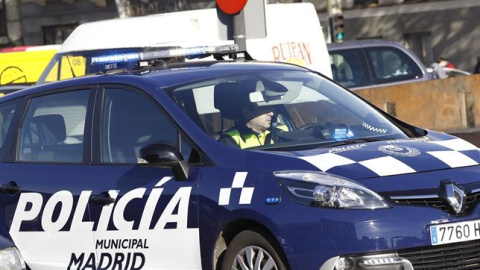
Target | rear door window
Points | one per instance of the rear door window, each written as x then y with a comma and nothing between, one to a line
54,128
391,64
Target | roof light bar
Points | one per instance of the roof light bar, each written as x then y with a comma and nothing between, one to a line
189,52
116,58
161,57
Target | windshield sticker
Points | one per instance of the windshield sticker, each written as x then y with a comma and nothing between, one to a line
374,129
399,150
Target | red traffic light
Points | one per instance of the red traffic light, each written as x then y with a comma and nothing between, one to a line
231,7
337,19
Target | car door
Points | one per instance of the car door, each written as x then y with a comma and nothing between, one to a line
43,187
144,217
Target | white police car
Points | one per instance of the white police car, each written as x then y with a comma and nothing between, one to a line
124,170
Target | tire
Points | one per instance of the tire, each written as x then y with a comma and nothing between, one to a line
249,250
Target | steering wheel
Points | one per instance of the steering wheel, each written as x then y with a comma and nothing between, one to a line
308,126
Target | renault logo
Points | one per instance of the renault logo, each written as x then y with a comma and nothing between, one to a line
455,197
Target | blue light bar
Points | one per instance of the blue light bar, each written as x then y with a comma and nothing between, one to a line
189,52
111,59
116,58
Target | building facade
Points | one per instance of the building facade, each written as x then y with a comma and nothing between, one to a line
450,29
430,28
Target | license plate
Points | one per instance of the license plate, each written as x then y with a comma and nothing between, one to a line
455,232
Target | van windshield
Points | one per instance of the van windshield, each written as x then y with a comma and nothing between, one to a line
77,64
296,109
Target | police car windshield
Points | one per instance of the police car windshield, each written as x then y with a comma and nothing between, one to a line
282,109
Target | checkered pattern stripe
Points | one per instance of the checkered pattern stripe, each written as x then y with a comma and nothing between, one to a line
452,153
246,193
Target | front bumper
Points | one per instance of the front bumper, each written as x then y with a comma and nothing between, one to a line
457,256
387,239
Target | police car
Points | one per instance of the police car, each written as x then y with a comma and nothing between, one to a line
124,170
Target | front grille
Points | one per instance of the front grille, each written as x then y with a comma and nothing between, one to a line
433,202
469,204
457,256
471,201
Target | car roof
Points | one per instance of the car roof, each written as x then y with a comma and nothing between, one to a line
11,88
164,77
363,43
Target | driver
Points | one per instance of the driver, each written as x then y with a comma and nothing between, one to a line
252,129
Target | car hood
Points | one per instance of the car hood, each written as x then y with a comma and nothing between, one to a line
394,157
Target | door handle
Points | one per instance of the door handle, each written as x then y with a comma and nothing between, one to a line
103,198
10,188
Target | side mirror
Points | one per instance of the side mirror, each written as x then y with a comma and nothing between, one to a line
165,154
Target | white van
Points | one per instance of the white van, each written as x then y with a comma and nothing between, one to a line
293,31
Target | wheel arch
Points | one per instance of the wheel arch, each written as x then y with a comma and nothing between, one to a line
234,228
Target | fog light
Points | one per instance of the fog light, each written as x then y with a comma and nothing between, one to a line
344,263
381,261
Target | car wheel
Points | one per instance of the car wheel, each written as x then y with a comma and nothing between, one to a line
251,251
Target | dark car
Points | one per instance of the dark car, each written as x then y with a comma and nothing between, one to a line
125,171
371,63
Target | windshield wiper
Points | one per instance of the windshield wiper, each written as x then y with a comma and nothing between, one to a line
71,67
295,146
356,140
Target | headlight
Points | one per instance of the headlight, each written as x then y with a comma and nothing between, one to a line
326,190
10,259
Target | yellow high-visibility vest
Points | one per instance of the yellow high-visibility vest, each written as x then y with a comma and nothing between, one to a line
252,140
